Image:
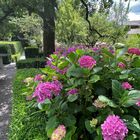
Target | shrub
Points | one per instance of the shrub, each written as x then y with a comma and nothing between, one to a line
23,124
31,63
31,52
5,49
94,93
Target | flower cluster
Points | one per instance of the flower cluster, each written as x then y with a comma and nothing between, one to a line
134,51
87,62
138,103
114,128
59,133
46,90
126,85
121,65
73,91
38,77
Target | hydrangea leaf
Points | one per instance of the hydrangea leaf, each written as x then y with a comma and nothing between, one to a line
88,127
132,123
72,98
94,79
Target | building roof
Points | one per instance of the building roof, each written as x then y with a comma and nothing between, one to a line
133,23
134,31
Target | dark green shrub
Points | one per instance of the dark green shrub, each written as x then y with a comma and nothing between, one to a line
31,63
31,52
5,49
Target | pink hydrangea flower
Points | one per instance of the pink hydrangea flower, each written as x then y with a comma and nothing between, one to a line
59,133
114,128
38,77
121,65
87,62
134,51
126,85
138,103
73,91
46,90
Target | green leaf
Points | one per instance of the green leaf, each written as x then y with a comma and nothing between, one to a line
80,52
70,133
132,98
72,57
107,101
69,120
94,79
77,72
132,123
88,127
107,53
51,125
117,89
124,76
47,101
122,52
63,65
72,98
92,109
96,69
40,106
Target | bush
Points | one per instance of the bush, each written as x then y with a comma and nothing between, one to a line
91,93
23,124
31,52
5,49
31,63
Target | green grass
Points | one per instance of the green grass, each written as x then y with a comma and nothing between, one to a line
17,46
27,123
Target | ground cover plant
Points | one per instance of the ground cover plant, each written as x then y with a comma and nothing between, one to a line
25,124
89,93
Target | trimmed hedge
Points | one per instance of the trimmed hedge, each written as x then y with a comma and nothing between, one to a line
5,49
31,63
26,123
31,52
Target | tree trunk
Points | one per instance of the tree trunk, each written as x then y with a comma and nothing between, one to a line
49,27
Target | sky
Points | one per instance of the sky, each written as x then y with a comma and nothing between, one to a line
134,13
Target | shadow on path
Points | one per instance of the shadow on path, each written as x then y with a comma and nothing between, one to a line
5,98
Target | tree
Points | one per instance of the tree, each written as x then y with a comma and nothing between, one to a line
46,10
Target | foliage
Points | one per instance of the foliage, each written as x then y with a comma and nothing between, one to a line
81,95
5,49
69,24
31,52
31,63
133,41
26,122
15,47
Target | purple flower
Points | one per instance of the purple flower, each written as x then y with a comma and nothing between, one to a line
87,62
46,90
121,65
126,85
73,91
134,51
114,128
138,103
38,77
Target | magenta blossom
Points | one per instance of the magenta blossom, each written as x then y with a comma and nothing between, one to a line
87,62
121,65
134,51
46,90
38,77
73,91
126,85
59,133
138,103
114,128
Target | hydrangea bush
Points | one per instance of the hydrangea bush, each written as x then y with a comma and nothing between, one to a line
90,93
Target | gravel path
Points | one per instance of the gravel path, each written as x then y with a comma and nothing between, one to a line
5,98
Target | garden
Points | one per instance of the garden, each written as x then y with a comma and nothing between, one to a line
77,70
